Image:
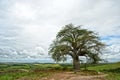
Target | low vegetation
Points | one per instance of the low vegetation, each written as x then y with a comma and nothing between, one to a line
15,71
113,70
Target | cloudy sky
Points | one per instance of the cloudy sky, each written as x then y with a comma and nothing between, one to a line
28,27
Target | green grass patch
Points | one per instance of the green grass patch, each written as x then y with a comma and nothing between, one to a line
112,69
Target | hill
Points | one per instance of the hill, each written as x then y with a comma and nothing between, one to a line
20,71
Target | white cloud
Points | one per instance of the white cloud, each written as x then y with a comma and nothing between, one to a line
22,11
25,24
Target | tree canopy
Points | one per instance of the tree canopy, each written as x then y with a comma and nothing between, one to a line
75,41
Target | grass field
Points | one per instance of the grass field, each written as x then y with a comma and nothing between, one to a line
113,70
14,71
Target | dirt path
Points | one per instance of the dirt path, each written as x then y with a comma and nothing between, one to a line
67,76
72,76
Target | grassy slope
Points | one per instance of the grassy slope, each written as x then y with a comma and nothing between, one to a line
112,69
15,71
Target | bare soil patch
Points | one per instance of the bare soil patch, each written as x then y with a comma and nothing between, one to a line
67,76
73,76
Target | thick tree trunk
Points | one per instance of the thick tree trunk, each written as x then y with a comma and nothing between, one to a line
76,63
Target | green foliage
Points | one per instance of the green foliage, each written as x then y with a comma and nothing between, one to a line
75,42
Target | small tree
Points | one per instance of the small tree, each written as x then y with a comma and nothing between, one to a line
75,41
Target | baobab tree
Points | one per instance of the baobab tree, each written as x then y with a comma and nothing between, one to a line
75,41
